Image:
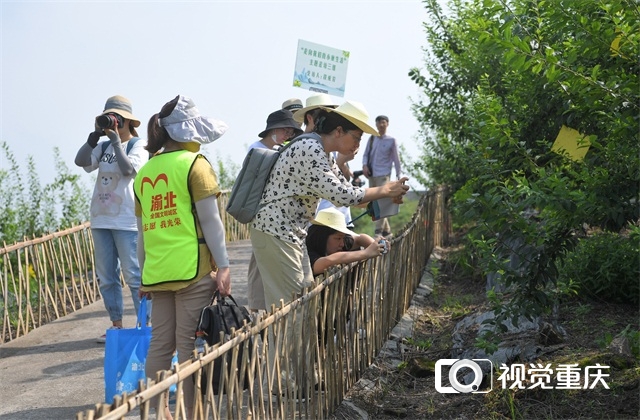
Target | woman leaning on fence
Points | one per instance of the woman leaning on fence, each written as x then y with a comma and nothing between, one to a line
180,230
303,174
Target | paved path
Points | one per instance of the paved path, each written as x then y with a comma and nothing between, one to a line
56,370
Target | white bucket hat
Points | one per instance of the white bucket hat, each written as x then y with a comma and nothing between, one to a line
356,114
332,218
321,100
185,124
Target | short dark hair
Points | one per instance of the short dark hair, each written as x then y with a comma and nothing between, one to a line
382,117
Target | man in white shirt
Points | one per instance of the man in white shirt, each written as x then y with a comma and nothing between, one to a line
379,155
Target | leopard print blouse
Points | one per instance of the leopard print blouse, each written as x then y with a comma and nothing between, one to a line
303,174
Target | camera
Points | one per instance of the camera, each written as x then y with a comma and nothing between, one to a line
111,121
384,244
357,182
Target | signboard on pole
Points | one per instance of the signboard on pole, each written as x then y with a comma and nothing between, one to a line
320,68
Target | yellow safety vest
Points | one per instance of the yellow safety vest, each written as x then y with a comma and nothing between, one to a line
168,218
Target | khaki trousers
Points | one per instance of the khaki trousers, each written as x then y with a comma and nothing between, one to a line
174,318
286,270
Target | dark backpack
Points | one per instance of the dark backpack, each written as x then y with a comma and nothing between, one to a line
244,201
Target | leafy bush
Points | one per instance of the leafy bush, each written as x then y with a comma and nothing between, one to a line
29,209
605,266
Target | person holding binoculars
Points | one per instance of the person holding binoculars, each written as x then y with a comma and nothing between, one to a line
113,222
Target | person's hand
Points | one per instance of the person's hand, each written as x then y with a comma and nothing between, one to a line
386,243
374,250
142,294
94,138
113,135
365,171
397,189
223,281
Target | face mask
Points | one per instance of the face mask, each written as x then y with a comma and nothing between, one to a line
274,137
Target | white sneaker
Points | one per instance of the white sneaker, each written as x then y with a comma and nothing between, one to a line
103,338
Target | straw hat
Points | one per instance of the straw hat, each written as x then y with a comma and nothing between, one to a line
356,114
321,100
332,218
121,106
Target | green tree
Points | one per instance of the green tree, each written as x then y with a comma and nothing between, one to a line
500,80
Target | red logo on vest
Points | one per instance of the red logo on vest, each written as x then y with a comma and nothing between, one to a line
153,183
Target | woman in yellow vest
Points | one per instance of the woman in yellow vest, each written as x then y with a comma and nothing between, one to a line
180,230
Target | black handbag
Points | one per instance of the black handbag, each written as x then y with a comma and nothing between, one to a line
221,316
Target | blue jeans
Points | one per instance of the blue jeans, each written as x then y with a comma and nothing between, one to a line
115,250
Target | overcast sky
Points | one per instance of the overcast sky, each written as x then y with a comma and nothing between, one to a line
62,60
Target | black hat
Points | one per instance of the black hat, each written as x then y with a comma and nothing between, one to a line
281,118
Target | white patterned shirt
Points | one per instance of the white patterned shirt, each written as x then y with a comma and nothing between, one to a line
303,174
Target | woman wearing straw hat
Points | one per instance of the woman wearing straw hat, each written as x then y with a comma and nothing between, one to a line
177,243
113,223
330,243
303,174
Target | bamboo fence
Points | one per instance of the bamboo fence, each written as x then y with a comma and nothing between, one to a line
52,276
346,319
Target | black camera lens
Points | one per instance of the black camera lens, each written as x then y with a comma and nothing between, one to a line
110,121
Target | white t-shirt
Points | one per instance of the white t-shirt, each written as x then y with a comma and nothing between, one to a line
112,203
258,145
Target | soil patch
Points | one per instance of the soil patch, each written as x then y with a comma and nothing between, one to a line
408,390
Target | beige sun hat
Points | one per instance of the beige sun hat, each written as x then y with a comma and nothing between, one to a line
356,114
332,218
292,104
321,100
122,106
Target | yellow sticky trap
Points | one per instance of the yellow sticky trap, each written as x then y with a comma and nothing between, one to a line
572,143
615,46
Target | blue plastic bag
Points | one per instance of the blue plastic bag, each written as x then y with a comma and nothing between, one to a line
125,355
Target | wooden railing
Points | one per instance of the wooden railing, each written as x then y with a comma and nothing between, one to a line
44,279
49,277
339,326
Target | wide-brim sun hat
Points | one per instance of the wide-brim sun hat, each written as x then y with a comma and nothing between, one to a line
120,105
281,118
321,100
292,104
185,124
332,218
356,113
